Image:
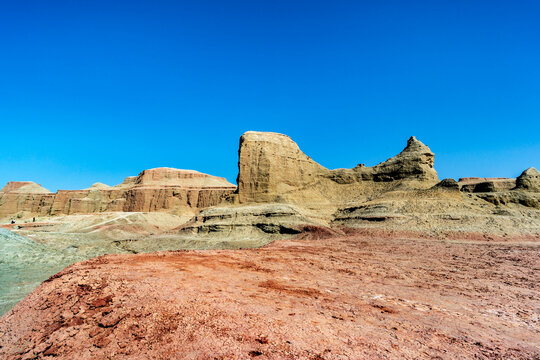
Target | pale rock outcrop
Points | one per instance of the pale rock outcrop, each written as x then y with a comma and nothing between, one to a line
269,221
479,184
524,190
272,168
98,186
529,180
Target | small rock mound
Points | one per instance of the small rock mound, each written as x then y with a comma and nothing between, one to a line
27,187
98,186
529,180
449,184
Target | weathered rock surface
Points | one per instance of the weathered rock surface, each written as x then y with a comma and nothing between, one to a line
440,211
371,295
28,196
529,180
267,221
330,298
476,184
272,168
24,264
160,189
98,186
506,198
27,187
449,184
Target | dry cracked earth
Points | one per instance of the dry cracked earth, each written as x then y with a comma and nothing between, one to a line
367,295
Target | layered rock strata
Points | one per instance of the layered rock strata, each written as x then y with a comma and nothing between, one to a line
477,184
28,196
251,221
272,168
529,180
160,189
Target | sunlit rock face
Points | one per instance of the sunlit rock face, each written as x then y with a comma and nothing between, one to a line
272,168
160,189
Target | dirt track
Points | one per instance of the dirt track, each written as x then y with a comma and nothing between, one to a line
369,295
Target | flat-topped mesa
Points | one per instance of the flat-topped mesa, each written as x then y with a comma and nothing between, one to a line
529,180
160,189
489,184
18,196
168,188
272,168
165,176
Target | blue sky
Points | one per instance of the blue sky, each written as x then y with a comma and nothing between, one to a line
100,90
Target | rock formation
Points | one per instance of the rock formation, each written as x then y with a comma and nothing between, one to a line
26,187
27,196
449,184
478,184
280,189
269,221
272,168
98,186
529,180
160,189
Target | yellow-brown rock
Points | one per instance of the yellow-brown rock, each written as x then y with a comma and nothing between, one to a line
272,168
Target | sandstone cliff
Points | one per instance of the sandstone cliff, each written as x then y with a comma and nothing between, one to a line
272,168
28,196
160,189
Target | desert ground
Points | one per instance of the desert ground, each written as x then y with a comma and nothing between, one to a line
371,294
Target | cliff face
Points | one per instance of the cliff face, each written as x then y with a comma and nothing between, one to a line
161,189
272,168
270,164
28,196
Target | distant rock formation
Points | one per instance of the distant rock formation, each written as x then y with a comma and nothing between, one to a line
480,185
98,186
24,196
160,189
272,168
529,180
449,184
27,187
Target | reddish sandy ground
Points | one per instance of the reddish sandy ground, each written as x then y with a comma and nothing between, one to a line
365,296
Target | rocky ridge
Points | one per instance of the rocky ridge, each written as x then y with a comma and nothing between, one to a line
402,192
272,168
160,189
274,173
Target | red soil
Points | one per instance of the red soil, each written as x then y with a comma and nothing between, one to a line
364,296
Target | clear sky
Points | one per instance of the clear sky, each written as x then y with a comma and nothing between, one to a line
100,90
